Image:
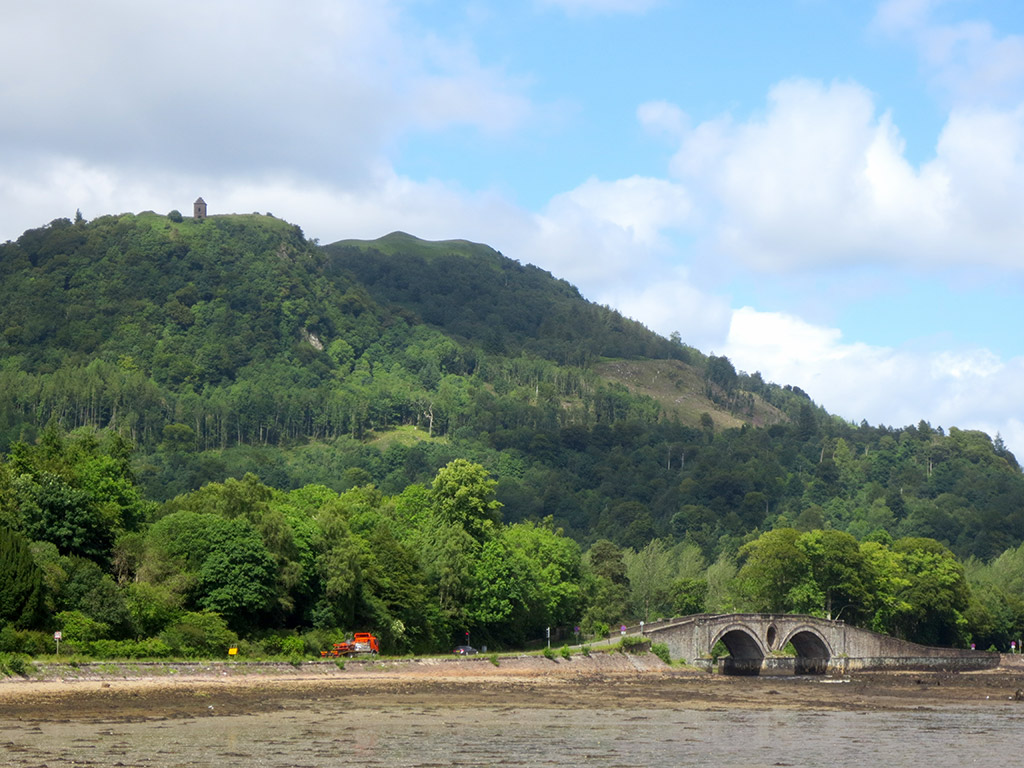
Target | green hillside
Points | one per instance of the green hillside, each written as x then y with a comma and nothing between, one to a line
474,293
380,430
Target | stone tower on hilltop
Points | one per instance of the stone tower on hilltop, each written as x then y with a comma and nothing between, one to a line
199,208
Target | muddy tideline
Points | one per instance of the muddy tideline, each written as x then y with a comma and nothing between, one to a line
139,691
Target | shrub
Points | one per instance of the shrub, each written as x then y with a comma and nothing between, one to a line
633,644
9,642
152,607
494,659
248,649
661,651
34,643
197,635
294,646
565,652
150,648
13,664
270,645
549,654
78,628
585,650
316,640
284,644
341,664
175,216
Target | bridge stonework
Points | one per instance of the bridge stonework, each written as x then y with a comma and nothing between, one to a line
755,643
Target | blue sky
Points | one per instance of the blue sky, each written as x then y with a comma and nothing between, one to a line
827,191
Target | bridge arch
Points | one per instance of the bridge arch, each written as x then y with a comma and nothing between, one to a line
813,652
742,642
808,642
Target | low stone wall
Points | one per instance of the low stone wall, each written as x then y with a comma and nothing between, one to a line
578,665
773,665
965,661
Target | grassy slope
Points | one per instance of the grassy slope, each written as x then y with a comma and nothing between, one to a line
679,388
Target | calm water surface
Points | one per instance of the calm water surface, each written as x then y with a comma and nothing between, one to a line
327,734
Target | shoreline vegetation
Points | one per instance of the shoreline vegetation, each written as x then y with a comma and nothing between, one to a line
137,691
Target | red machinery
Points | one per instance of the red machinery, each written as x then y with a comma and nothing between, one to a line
362,642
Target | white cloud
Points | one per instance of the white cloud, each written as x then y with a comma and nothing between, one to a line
614,241
214,86
788,350
899,15
642,207
454,88
674,303
229,90
663,117
429,209
972,389
575,7
981,153
60,186
822,179
967,61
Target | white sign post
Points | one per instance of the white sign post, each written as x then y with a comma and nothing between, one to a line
56,638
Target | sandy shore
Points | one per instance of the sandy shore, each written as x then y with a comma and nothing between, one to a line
128,692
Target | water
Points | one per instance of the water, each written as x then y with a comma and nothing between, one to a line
325,734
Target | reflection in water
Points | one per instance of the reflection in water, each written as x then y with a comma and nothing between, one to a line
328,735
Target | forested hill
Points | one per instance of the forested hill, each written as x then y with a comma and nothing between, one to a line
234,344
217,428
477,295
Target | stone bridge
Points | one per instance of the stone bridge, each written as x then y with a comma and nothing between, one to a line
755,642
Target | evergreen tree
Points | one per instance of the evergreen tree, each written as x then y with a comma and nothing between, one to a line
21,581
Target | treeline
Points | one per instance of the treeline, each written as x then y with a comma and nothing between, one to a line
634,480
84,552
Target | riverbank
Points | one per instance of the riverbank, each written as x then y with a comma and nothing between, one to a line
131,692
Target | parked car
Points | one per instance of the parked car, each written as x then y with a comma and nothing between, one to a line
464,650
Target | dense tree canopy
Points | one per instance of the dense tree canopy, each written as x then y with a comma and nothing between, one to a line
217,430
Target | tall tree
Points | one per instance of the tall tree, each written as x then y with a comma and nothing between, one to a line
607,584
936,596
650,580
836,583
21,581
463,495
773,567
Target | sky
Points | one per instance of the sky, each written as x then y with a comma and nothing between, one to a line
830,192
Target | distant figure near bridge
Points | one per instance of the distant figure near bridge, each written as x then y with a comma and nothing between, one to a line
755,642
